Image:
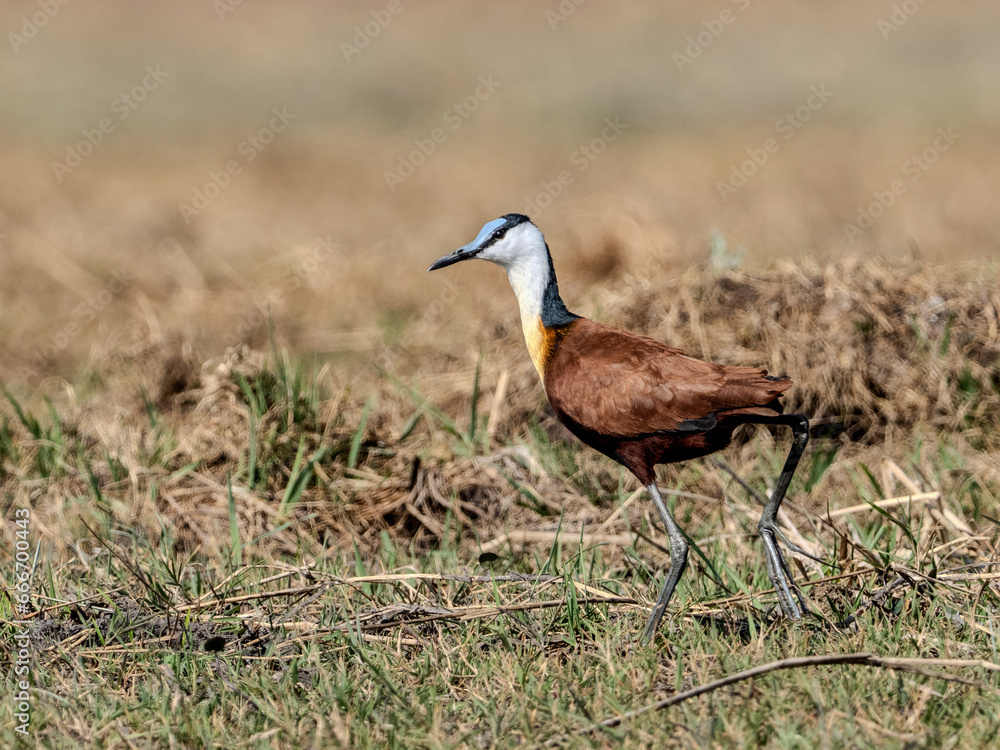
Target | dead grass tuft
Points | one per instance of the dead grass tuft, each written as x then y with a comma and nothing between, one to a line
249,516
878,350
885,347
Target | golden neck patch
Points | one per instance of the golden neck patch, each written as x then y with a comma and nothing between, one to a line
542,342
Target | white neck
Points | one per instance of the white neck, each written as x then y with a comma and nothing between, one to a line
529,277
523,254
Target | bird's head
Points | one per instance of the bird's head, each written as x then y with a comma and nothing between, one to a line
509,241
518,246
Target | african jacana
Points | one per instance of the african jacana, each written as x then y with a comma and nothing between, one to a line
634,399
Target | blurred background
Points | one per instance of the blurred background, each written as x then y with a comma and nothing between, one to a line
177,172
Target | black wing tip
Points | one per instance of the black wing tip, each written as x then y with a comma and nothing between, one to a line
701,424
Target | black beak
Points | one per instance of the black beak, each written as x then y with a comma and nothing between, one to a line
452,258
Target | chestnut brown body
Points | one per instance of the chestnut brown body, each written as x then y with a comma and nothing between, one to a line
644,403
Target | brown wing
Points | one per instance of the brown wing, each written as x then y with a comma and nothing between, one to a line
619,384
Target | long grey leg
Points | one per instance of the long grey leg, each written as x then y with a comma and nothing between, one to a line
777,568
678,561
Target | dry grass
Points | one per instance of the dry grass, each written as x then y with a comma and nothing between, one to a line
880,357
650,201
325,531
890,346
363,527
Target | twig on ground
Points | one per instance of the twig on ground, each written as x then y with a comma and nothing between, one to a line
891,502
201,603
565,536
913,666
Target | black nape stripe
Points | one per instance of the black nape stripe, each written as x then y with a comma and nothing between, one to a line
554,312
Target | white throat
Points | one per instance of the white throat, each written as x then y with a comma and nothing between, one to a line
528,277
523,254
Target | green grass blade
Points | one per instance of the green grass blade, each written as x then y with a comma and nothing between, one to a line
234,526
410,425
473,416
358,437
300,478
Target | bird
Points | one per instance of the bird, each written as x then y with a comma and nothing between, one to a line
636,400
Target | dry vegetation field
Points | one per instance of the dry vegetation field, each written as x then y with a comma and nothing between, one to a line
280,488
